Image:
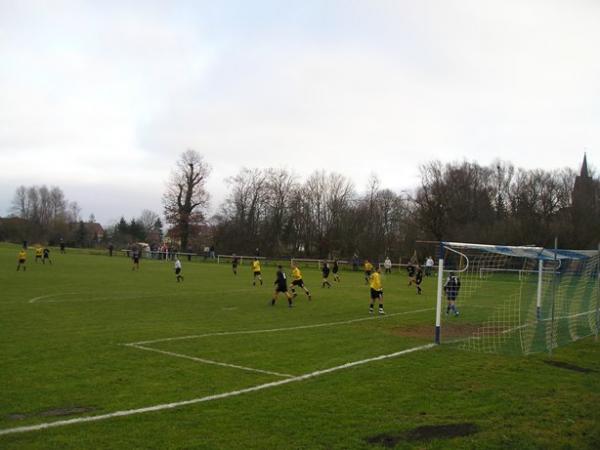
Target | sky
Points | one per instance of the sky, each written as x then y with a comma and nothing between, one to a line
101,98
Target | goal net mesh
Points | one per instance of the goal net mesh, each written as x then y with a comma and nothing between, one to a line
518,299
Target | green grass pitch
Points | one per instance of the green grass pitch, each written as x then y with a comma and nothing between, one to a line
64,331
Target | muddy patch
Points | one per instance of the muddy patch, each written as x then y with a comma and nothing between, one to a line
385,440
55,412
568,366
424,433
447,431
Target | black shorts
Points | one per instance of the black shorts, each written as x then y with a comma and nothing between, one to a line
367,273
38,256
22,261
256,274
281,288
376,294
299,283
334,270
177,271
136,260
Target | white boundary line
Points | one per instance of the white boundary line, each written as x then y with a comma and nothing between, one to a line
164,406
273,330
125,297
42,297
208,361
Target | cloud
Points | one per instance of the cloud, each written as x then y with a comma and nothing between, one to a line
108,95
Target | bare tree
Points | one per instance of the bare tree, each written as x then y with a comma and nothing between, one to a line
431,199
19,203
244,209
148,219
186,194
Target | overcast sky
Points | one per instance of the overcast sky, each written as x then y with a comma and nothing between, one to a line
101,97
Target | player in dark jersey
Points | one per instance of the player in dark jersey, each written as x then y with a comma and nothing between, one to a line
325,271
335,269
234,263
418,279
135,256
411,270
281,287
46,256
451,287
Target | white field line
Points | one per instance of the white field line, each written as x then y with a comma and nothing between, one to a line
42,297
274,330
164,406
124,297
208,361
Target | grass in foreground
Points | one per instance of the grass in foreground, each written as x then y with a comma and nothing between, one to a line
62,328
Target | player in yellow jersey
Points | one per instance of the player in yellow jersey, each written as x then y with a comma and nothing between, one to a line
376,291
39,252
368,270
298,281
22,258
256,272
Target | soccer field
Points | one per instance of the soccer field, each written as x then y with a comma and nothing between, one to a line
95,355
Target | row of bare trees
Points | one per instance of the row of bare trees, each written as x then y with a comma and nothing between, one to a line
498,203
325,216
43,214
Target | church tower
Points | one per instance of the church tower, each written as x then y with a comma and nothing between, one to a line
585,209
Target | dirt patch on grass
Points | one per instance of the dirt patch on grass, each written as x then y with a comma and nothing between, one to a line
447,431
427,331
568,366
54,412
424,433
385,440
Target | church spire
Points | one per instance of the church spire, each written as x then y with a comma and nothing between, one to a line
584,168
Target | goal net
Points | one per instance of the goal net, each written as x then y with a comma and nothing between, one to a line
514,299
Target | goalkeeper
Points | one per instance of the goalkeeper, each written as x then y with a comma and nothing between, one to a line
451,288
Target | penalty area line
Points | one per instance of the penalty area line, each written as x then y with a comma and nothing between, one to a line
275,330
165,406
209,361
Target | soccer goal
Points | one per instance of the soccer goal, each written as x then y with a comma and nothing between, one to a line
521,299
